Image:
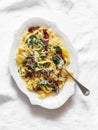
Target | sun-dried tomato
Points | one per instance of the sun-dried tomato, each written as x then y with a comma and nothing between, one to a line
46,36
28,75
38,88
30,62
33,28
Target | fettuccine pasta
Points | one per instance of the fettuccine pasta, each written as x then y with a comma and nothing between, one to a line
38,63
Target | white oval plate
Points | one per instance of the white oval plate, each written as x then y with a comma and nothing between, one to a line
51,102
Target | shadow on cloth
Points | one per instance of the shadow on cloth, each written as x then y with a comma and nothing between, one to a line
23,5
5,99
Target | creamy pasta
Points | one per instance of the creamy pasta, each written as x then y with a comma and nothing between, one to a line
38,63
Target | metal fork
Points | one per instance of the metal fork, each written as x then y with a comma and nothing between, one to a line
84,90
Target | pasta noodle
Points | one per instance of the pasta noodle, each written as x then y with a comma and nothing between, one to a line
37,61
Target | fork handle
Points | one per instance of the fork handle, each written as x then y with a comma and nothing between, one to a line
84,90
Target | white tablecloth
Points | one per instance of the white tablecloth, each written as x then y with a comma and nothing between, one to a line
78,19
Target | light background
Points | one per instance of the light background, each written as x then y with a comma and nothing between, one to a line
78,19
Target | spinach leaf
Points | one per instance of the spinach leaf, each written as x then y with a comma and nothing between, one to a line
34,40
44,82
33,66
29,56
58,49
55,60
54,88
42,55
26,59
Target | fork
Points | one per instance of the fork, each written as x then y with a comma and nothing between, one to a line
84,90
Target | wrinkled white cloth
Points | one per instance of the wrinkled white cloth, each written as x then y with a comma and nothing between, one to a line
78,19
